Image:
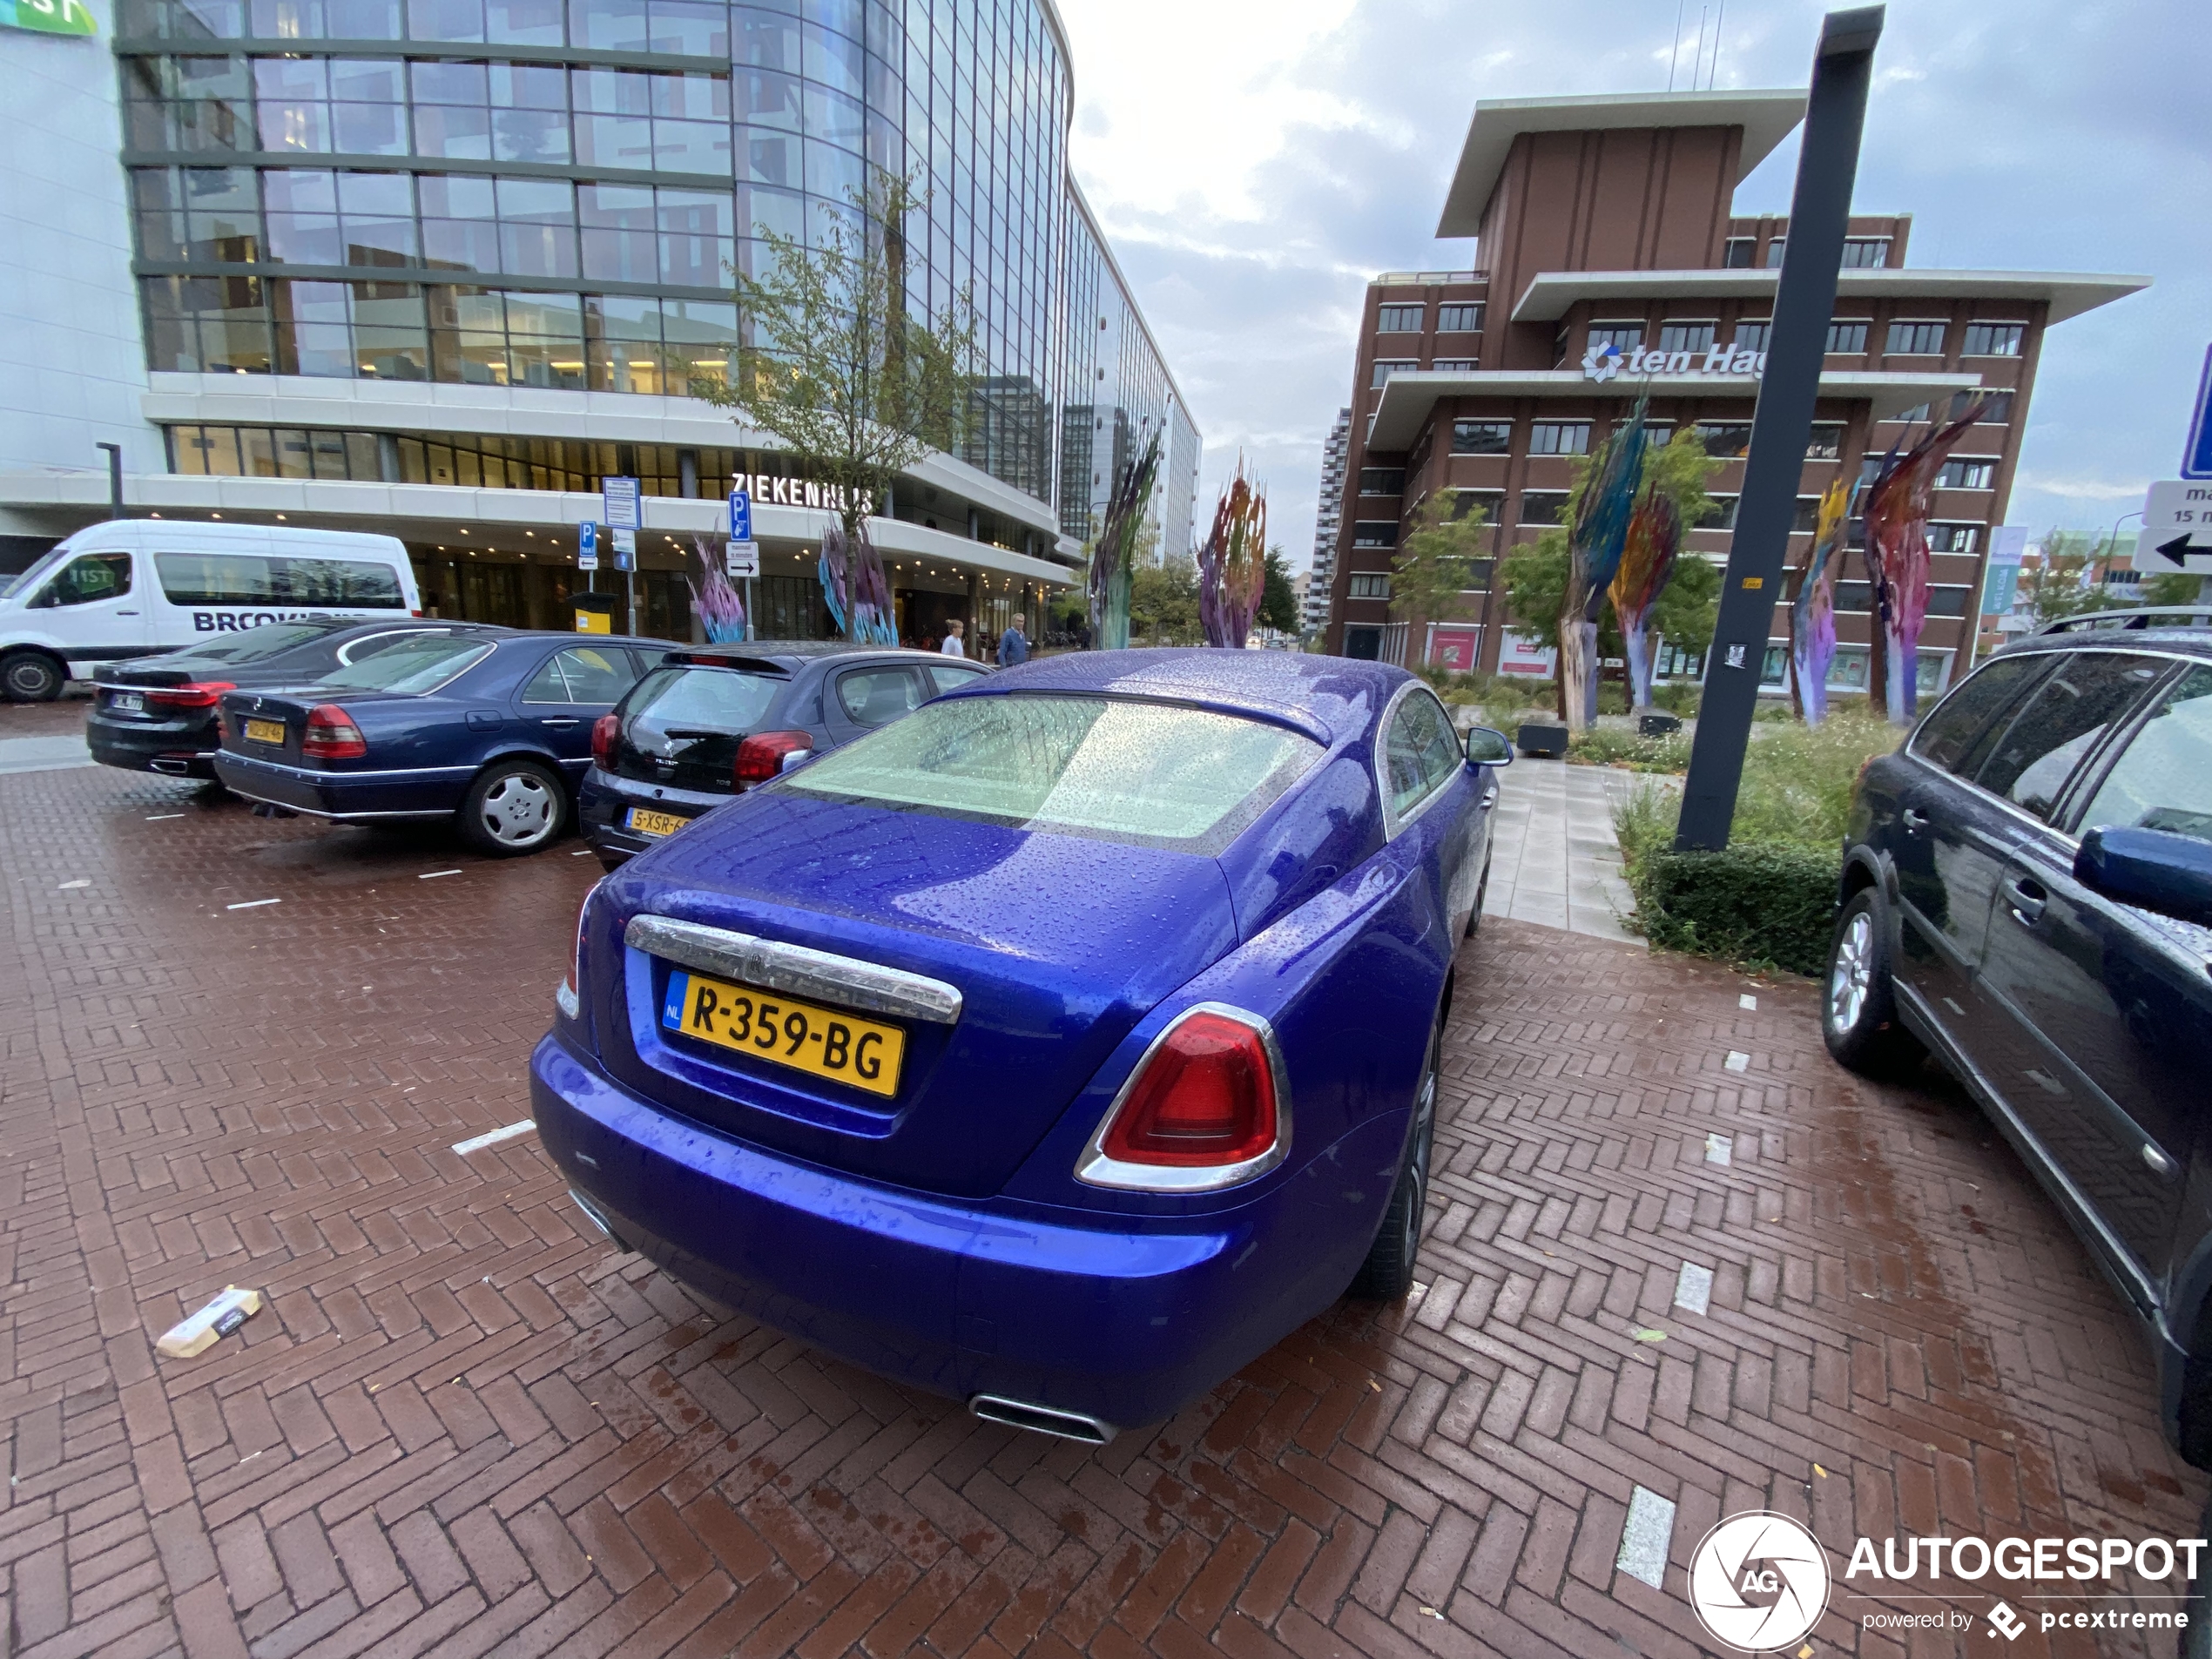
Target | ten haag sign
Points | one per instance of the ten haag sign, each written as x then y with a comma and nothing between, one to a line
1735,362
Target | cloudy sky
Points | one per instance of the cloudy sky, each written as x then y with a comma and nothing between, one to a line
1256,161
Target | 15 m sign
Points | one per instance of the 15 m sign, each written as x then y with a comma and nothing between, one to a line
47,16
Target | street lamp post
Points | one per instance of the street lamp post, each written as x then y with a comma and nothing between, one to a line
1781,423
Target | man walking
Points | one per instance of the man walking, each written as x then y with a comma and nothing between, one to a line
1014,645
953,645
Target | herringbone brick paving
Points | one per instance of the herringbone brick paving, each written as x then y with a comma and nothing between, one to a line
466,1427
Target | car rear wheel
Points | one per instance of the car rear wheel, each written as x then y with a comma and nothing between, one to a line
515,807
1481,898
1387,1273
31,677
1858,1018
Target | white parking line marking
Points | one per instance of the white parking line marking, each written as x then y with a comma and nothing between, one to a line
66,886
252,904
478,1142
432,875
1747,1001
1736,1061
1721,1150
581,852
159,817
1645,1538
1694,1288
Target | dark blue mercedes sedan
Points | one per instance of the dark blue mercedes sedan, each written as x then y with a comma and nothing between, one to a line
493,734
1060,1046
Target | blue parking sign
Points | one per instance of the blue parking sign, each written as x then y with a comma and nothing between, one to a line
2196,460
740,516
587,546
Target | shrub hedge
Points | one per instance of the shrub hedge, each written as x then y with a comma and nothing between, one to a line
1760,903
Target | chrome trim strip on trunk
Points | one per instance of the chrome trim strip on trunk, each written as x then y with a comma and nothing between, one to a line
795,970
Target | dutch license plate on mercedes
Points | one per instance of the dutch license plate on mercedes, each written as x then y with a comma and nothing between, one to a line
827,1042
265,732
646,822
129,702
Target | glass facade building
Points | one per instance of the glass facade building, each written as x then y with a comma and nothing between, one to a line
550,195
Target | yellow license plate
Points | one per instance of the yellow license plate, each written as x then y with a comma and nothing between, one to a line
828,1043
647,823
265,732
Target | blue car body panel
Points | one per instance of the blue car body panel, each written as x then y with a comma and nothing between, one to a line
423,748
941,1236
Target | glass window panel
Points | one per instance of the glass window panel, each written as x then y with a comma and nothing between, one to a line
233,325
256,453
526,23
295,126
305,239
155,193
460,244
627,206
764,40
455,196
445,19
701,212
287,19
558,316
823,218
767,156
538,250
837,175
288,78
373,240
834,61
615,25
530,135
691,146
368,129
690,97
693,29
557,364
369,80
529,86
450,82
539,201
629,318
615,141
376,195
362,19
223,218
612,92
361,461
172,342
833,117
388,338
762,99
462,134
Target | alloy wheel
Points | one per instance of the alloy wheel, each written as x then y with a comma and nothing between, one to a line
518,809
1852,973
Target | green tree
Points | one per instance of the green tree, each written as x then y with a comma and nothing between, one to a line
1278,600
2057,584
1440,568
836,366
2174,588
1164,603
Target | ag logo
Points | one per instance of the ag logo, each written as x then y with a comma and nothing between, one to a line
1759,1582
1601,362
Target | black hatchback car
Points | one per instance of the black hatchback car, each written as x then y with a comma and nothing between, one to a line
2027,892
157,713
708,722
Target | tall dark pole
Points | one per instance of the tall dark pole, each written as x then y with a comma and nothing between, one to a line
114,478
1781,423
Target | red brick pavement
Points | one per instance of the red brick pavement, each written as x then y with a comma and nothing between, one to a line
466,1427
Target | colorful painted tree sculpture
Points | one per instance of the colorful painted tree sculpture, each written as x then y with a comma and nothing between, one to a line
855,586
1595,541
1648,557
713,599
1232,565
1896,559
1113,559
1812,615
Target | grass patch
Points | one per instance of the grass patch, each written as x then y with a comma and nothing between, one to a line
1610,746
1769,899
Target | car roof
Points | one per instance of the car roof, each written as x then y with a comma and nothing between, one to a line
1332,698
2184,642
791,654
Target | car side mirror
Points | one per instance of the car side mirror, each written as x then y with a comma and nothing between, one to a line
1489,748
2152,869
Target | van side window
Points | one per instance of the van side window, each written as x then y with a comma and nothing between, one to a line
257,579
89,577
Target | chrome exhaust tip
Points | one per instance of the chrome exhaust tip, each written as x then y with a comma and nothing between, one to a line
171,768
1041,1419
599,1218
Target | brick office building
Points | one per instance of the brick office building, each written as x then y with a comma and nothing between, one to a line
1612,264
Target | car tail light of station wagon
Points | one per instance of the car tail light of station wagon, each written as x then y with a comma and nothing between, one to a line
570,997
1204,1109
760,757
605,730
200,694
332,735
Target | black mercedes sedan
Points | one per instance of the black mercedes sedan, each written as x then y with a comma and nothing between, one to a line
2027,894
711,721
157,713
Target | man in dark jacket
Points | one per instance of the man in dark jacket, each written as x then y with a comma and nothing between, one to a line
1014,645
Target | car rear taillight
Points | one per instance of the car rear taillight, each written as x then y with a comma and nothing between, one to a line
200,694
604,731
332,735
760,757
570,997
1202,1110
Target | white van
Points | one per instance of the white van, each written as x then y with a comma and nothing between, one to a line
135,587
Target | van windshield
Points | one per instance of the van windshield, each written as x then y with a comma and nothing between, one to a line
38,572
410,668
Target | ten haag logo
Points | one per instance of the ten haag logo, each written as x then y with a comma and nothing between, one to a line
1759,1582
1602,363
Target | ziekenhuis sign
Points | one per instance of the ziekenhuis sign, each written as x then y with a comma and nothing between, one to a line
47,16
1735,362
792,492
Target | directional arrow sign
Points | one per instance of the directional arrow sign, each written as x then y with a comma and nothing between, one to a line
2177,528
